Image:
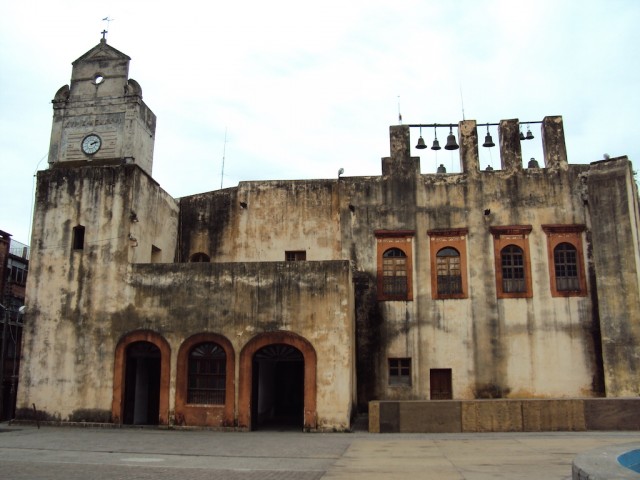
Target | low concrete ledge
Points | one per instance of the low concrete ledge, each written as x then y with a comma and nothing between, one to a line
612,413
602,463
491,416
553,415
504,415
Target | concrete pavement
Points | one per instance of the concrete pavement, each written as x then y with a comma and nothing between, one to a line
93,453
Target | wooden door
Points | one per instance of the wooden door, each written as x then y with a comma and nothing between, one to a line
440,379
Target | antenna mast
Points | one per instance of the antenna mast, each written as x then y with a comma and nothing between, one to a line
224,152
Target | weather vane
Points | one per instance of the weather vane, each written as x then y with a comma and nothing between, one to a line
106,30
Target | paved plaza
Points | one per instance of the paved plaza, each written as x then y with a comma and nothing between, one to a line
72,453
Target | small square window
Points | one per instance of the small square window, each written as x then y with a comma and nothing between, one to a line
295,255
399,371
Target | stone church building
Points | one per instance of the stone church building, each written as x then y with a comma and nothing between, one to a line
297,302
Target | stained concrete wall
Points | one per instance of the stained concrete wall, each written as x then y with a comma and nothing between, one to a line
533,415
538,346
259,221
80,302
242,300
83,301
72,294
613,209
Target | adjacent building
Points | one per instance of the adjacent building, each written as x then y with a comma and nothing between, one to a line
297,302
14,266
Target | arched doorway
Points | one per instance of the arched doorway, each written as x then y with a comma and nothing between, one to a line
278,388
142,384
141,379
250,378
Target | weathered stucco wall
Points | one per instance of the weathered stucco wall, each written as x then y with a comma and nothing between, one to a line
542,346
539,346
114,262
71,291
83,302
241,301
613,207
237,301
259,221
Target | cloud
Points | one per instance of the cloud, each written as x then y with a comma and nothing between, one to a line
304,89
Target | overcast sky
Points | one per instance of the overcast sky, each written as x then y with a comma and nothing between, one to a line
303,89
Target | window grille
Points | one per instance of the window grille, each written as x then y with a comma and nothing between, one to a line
207,374
449,272
399,371
566,264
513,275
394,272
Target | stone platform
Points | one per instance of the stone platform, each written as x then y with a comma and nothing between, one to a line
504,415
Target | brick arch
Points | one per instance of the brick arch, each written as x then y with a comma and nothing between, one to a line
120,366
246,373
209,415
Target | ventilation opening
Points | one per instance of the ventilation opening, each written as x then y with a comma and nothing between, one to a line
199,257
78,237
156,254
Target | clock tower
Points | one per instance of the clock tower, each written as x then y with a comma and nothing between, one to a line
100,119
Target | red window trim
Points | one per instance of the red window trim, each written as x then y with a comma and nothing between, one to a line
504,236
402,240
571,234
450,237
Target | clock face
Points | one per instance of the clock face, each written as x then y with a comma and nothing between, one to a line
91,144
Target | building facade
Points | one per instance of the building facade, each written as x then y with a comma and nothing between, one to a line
298,302
14,266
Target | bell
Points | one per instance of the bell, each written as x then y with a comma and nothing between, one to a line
533,163
421,145
436,144
529,134
522,137
489,168
441,168
451,141
488,141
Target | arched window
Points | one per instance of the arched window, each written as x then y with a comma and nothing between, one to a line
565,259
207,374
449,272
394,271
513,274
199,257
